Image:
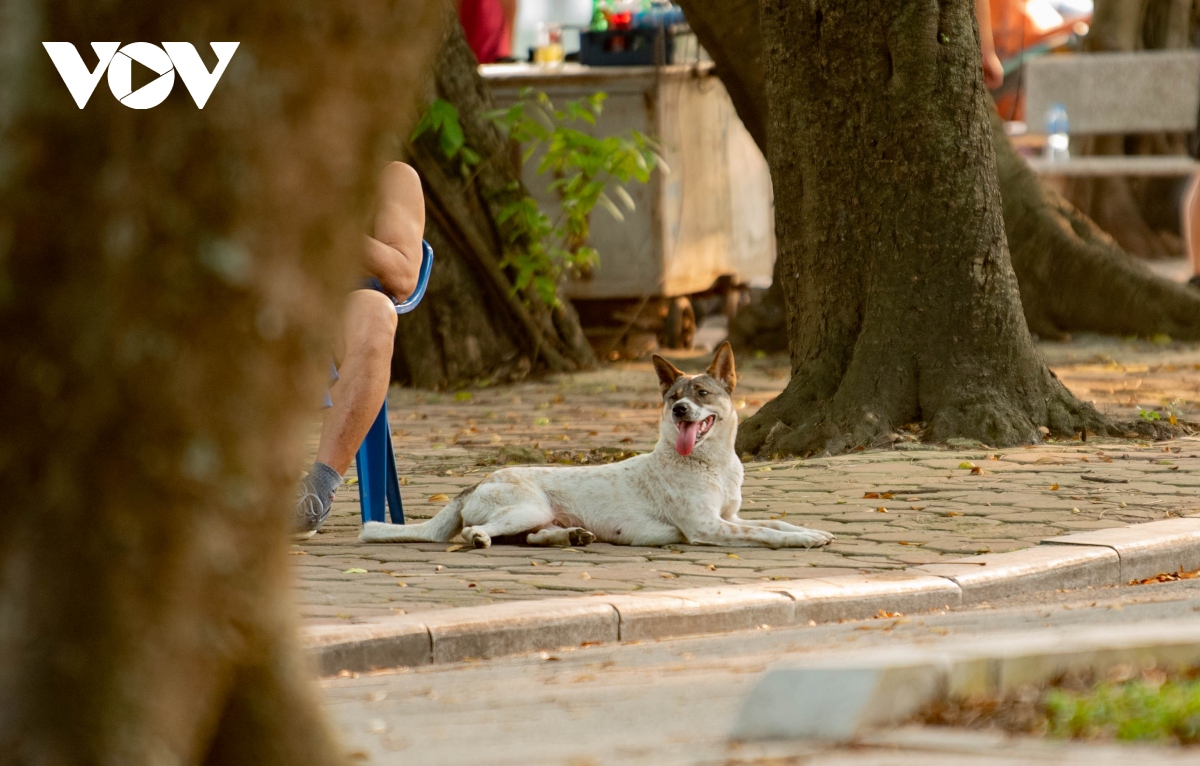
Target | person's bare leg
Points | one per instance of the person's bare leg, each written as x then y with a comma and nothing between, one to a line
364,370
392,256
1191,225
368,334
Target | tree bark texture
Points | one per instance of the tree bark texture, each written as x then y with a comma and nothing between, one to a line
901,299
471,326
1048,238
1124,206
168,282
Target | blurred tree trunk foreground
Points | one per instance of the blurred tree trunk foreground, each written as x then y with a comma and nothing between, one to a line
1072,276
168,278
901,298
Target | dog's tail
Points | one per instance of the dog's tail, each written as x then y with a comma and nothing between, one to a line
440,529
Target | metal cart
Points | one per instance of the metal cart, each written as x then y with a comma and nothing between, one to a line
703,231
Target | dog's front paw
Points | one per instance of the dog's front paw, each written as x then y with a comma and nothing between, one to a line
820,538
477,537
580,537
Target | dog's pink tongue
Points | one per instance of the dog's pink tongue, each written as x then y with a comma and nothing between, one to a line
686,441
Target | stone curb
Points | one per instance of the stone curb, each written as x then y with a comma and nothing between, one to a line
842,698
1100,558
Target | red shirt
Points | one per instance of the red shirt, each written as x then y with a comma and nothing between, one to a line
485,28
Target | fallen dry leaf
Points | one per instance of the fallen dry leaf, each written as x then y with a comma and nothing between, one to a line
354,570
1053,487
440,497
1168,577
454,548
976,471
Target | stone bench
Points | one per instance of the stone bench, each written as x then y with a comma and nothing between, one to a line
1143,92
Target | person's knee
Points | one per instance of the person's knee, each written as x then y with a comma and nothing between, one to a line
404,173
372,319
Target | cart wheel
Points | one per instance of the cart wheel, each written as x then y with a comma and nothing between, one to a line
679,328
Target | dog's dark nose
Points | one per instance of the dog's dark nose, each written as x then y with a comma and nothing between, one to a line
679,410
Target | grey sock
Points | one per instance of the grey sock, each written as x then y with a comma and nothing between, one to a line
316,497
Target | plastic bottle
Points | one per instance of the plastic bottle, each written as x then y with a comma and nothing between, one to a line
1058,144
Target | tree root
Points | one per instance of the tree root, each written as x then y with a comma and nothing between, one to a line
795,423
798,423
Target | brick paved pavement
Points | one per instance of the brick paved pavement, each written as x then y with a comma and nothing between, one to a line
930,507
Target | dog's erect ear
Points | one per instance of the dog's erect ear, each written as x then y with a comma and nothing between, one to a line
667,373
721,369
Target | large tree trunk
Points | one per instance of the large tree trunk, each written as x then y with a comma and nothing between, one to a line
1048,238
471,325
168,279
1118,203
902,302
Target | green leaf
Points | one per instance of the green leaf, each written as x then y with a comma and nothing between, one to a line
470,156
584,170
451,139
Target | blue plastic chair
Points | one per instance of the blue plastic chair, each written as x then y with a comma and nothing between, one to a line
378,482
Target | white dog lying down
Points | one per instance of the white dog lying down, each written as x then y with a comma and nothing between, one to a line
688,490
